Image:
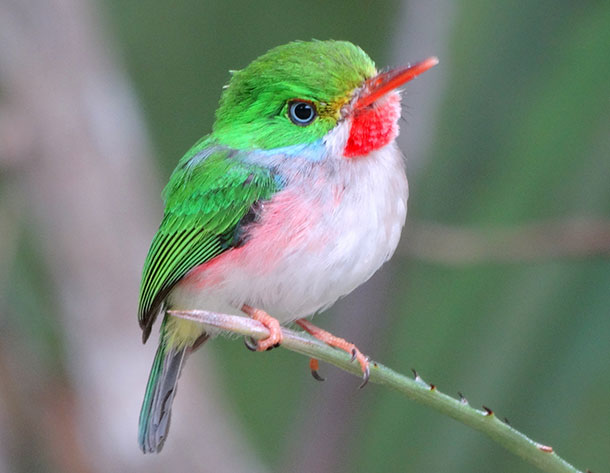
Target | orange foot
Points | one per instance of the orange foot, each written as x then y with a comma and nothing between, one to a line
275,332
336,342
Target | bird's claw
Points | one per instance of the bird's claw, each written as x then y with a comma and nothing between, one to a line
251,344
339,343
366,374
314,365
275,332
364,366
317,376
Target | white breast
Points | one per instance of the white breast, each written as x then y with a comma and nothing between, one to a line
333,225
361,226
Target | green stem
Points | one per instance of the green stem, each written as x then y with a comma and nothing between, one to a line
416,389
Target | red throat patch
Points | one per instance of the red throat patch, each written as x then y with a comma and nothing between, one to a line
373,127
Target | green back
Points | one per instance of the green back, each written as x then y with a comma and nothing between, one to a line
207,198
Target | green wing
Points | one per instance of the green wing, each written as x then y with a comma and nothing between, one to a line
209,197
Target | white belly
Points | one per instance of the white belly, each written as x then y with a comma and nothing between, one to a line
317,240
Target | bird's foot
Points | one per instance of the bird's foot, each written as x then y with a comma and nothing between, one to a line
336,342
275,332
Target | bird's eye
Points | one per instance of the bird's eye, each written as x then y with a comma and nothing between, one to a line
301,113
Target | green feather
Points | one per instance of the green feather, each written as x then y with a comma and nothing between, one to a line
253,107
148,438
155,414
207,197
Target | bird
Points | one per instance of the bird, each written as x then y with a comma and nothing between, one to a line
296,197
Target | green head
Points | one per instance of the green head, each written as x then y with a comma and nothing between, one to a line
293,94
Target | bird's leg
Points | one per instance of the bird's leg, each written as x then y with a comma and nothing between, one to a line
336,342
275,332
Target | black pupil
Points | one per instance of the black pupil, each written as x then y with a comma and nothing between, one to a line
303,112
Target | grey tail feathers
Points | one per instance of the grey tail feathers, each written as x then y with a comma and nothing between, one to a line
160,391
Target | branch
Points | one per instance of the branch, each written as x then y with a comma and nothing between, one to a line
416,389
539,241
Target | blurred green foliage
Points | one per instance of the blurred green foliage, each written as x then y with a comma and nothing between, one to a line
522,136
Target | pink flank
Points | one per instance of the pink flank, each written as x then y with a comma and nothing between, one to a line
285,227
373,127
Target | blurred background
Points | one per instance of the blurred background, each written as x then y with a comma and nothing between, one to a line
500,288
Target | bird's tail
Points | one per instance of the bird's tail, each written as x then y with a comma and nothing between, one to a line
178,339
160,391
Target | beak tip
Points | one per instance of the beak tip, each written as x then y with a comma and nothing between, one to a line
387,81
428,63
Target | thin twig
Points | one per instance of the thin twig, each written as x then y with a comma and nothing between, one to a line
416,389
538,241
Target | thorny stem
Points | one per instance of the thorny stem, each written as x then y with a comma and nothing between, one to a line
415,388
